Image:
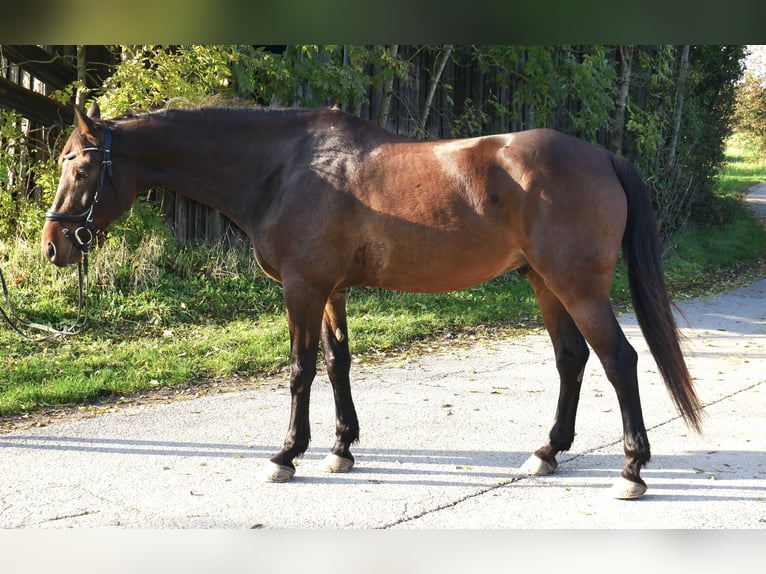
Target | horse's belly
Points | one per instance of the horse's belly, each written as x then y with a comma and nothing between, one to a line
432,273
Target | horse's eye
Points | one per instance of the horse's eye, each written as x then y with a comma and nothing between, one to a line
81,175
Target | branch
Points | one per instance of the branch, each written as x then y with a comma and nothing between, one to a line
441,64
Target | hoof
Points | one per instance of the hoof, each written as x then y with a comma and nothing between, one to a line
335,463
625,489
537,466
277,473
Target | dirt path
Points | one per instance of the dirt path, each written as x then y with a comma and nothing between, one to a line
756,200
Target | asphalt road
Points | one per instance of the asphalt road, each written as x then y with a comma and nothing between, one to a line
443,436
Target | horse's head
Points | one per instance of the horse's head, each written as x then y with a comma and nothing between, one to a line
89,195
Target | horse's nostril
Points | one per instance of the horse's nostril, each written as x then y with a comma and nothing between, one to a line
51,251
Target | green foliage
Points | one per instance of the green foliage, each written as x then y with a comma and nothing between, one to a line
13,180
751,109
682,184
730,236
150,77
315,76
570,88
472,122
27,186
590,77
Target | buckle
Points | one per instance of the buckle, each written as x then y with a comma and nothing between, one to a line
79,239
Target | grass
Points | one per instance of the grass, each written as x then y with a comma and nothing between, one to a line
732,242
162,315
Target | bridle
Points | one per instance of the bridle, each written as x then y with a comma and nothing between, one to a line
81,237
84,235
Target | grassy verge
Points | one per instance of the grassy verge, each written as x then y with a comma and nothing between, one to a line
729,251
163,315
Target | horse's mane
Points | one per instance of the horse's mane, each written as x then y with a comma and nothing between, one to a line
233,108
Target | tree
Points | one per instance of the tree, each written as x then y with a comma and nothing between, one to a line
678,105
433,83
617,128
569,88
388,73
679,115
751,98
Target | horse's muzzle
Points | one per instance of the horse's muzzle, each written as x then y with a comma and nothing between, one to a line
57,248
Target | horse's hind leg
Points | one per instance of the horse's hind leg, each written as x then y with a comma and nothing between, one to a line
304,316
571,353
595,319
338,361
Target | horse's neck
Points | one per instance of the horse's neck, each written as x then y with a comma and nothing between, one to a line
217,165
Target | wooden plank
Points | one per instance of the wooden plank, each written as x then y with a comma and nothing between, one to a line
180,219
54,71
34,106
55,65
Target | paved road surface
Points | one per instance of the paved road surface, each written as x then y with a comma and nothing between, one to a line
442,437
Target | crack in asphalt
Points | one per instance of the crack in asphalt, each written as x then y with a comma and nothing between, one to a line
564,460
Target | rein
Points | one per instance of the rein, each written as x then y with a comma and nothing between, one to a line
18,324
81,237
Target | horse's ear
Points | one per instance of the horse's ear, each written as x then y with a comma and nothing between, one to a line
85,122
94,112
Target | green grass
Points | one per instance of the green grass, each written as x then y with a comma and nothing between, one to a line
735,239
162,315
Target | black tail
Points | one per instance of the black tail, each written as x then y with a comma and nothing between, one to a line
642,251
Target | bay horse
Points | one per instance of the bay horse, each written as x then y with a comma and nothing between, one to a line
331,201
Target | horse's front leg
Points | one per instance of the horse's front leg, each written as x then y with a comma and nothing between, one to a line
304,316
338,360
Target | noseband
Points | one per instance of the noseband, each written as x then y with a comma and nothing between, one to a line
84,235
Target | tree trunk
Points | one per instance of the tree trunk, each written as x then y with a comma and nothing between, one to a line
617,130
432,85
388,89
683,72
82,77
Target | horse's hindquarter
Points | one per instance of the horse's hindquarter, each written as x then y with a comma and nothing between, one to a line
575,209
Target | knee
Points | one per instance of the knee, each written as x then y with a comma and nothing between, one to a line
301,377
337,362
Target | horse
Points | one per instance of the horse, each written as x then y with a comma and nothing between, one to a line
330,201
